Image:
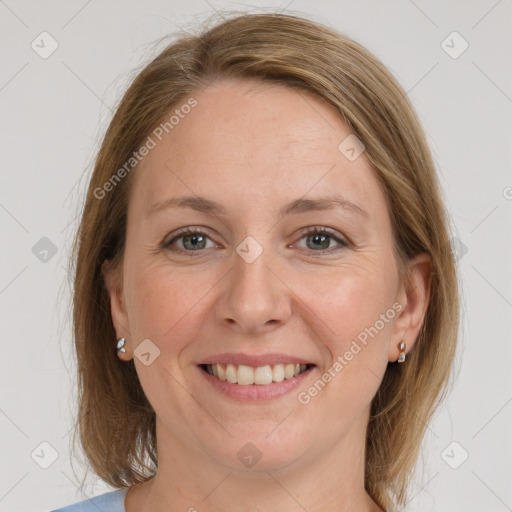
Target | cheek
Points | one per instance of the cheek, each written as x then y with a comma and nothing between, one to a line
163,304
163,308
347,301
360,309
357,313
354,303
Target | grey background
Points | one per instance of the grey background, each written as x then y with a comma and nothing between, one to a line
54,112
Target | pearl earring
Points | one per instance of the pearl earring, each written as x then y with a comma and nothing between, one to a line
120,346
401,355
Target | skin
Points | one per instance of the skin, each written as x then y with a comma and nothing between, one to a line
253,148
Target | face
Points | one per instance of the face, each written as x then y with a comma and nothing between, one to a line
270,279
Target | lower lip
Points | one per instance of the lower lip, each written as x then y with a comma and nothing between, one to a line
256,392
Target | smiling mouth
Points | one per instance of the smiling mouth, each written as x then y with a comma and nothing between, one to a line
262,375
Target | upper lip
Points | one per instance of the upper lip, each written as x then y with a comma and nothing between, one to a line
253,360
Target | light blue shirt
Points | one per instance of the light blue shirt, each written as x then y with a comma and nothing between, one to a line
109,502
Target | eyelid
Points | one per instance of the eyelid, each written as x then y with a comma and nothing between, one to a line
323,229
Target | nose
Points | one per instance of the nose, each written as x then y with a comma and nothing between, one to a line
255,299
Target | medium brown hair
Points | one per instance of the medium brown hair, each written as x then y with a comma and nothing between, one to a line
116,422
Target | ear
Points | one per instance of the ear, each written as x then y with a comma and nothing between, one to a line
113,284
414,295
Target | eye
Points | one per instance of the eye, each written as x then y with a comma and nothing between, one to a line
192,240
318,239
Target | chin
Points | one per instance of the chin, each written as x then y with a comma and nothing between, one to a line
259,451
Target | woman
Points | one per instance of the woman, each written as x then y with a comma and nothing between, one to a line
265,297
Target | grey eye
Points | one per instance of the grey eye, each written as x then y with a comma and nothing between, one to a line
194,242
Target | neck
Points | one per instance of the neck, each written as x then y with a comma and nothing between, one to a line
188,480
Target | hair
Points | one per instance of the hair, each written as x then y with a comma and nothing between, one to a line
116,423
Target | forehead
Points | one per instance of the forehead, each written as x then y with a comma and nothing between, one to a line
248,139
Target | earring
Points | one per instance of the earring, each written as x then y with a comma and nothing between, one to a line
120,346
401,355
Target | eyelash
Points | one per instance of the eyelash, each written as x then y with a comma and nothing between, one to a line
312,230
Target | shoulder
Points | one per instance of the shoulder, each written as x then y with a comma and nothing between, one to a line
109,502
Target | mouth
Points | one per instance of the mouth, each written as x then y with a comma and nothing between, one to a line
245,375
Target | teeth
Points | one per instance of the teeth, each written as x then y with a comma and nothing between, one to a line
289,370
278,373
231,373
247,375
263,375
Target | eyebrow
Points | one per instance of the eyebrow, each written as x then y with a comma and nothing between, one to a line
296,207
